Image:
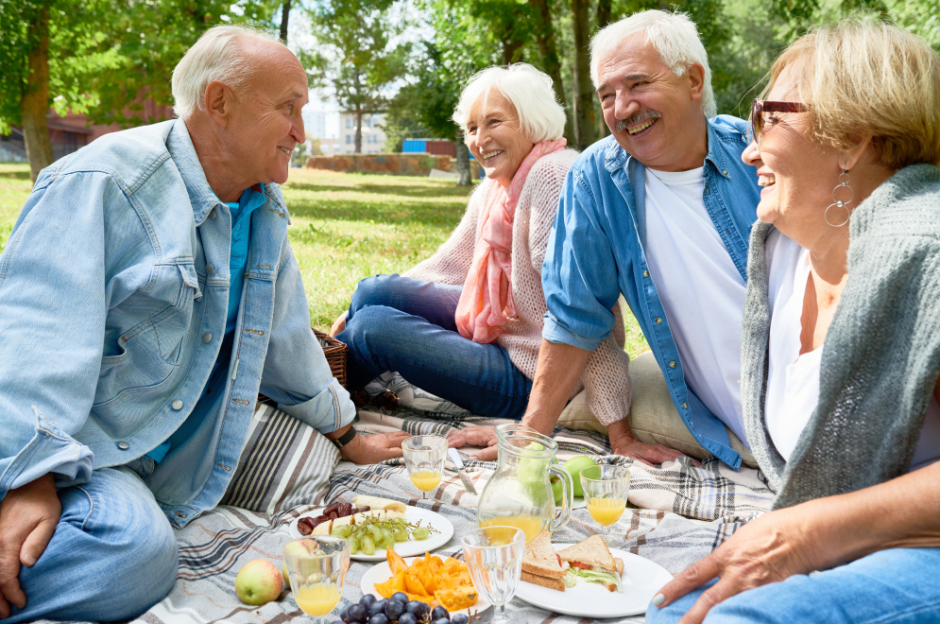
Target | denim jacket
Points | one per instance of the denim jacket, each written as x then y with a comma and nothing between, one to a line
596,252
113,298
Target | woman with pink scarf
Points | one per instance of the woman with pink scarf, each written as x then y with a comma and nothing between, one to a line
466,324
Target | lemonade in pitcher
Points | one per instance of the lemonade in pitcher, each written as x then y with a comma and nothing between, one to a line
530,525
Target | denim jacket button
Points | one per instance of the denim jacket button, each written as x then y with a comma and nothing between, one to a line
646,273
213,214
123,445
685,406
206,338
659,321
672,364
210,270
177,405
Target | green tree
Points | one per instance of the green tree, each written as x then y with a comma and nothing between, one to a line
354,56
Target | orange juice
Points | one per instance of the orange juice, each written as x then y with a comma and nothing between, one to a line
530,525
425,480
317,599
606,511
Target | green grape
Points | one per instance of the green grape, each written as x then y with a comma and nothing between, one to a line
421,533
353,545
400,534
342,531
400,521
375,532
368,546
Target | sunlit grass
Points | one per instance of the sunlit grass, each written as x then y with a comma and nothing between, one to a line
344,227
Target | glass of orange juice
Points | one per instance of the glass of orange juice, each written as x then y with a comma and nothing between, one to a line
424,460
317,569
605,490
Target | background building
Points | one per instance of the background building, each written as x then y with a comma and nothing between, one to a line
373,136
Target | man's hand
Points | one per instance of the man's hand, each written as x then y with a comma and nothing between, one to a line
476,436
28,517
374,448
623,443
770,549
339,324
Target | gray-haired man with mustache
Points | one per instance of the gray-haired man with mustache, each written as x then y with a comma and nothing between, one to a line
660,212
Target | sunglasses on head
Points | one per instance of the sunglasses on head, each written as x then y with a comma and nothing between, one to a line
755,129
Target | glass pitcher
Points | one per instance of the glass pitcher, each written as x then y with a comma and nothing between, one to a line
519,493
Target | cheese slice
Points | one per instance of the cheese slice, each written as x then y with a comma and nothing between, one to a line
323,528
375,503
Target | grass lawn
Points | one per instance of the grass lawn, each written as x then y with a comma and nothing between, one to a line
345,227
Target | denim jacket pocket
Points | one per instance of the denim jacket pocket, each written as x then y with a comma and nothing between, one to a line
138,366
173,322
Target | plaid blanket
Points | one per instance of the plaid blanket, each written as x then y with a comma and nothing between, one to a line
682,512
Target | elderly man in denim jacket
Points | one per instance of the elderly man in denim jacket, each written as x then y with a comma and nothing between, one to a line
661,212
147,293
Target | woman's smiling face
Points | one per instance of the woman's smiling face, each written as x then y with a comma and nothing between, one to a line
494,135
796,173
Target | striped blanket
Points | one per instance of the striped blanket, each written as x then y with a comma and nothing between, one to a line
679,512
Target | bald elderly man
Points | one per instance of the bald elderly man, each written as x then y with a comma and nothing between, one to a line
148,292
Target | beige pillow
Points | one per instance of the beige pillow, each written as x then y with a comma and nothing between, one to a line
653,416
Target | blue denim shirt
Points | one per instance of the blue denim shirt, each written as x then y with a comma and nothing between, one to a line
596,252
111,323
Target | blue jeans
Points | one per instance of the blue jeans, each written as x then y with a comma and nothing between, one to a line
406,325
888,586
113,554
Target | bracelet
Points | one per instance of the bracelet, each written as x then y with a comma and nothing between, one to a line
344,439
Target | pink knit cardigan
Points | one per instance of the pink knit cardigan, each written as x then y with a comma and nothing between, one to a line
605,378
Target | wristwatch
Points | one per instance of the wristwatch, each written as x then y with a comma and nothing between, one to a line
344,439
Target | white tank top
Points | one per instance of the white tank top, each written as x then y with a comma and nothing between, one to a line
793,379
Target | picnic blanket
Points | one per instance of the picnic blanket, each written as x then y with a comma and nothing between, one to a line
682,512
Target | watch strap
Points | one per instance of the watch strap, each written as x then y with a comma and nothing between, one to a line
344,439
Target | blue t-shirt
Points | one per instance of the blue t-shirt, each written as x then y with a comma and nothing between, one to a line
251,199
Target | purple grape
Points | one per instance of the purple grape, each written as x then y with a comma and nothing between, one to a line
377,606
357,613
401,597
442,621
367,601
407,618
394,609
419,609
378,618
460,618
343,615
439,613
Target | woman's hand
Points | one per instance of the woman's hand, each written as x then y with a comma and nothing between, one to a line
767,550
339,324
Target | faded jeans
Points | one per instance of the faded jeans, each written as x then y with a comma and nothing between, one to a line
113,554
888,586
406,325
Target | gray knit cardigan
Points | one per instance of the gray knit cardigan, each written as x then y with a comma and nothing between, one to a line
882,353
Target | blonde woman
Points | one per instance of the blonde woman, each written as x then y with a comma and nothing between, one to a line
841,344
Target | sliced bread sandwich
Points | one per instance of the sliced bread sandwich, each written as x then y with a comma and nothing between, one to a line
540,564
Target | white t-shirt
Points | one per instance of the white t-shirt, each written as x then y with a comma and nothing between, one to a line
793,379
700,288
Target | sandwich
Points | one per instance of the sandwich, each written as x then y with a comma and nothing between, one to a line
541,566
592,561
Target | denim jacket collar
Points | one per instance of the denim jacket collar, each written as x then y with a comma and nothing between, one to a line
183,152
616,157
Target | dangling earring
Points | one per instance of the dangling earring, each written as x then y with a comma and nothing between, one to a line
841,204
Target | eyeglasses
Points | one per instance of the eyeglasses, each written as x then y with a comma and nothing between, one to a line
755,129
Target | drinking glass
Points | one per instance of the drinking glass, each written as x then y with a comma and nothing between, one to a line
317,568
605,490
424,459
494,557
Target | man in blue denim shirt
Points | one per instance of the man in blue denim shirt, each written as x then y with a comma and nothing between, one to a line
147,293
661,212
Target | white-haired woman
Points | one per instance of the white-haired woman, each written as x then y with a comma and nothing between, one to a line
841,344
466,324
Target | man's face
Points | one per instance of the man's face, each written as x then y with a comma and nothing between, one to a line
655,115
265,124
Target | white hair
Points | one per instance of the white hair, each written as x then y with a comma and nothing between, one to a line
218,55
673,35
529,90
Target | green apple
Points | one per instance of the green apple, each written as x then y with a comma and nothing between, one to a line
556,489
258,582
532,475
574,466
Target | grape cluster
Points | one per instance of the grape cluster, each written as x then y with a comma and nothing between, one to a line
372,533
370,610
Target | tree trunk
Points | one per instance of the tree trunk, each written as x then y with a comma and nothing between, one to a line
35,102
358,146
285,16
463,164
603,13
545,36
584,122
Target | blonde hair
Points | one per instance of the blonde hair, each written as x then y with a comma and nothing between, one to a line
218,55
674,37
541,116
861,77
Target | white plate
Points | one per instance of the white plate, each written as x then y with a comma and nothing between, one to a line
381,572
641,580
405,549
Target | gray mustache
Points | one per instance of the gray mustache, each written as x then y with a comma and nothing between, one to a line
623,123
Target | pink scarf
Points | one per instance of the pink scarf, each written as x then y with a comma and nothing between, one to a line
486,301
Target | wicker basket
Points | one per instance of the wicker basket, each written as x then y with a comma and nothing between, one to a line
335,352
